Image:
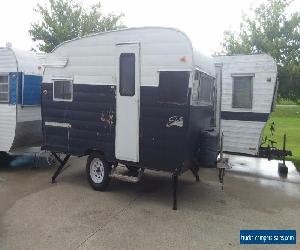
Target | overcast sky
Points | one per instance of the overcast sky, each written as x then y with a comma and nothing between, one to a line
204,21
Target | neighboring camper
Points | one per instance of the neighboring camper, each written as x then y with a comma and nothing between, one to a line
248,94
20,98
141,97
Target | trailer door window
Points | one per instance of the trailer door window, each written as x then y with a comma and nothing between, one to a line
242,92
4,97
173,86
62,90
127,74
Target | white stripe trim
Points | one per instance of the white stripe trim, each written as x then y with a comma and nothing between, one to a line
58,124
177,69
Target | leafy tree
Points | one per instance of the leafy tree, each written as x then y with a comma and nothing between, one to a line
271,30
63,20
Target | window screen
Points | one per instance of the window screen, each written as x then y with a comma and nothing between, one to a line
206,88
196,75
4,96
127,74
213,121
195,91
242,92
62,90
173,86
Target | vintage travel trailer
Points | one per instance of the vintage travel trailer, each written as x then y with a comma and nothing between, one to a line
20,99
139,97
249,86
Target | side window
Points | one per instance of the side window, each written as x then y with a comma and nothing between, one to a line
195,90
206,89
242,92
127,74
4,96
62,90
173,86
213,121
196,75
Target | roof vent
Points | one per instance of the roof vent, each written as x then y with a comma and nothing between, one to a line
8,45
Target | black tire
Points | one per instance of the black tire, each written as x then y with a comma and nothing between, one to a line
98,171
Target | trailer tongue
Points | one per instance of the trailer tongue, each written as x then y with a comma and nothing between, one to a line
222,164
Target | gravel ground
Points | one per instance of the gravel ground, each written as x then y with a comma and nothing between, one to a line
35,214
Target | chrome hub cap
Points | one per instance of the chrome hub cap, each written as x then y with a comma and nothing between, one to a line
97,170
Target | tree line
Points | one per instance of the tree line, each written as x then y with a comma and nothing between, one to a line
63,20
271,29
268,28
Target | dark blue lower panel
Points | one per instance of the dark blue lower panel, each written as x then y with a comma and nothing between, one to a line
244,116
163,143
91,115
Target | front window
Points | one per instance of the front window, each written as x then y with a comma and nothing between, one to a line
4,96
203,89
196,86
173,86
206,89
62,90
242,92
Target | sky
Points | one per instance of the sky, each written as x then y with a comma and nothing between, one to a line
204,21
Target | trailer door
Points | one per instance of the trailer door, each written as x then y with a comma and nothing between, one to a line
128,102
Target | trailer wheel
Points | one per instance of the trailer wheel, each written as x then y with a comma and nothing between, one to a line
98,170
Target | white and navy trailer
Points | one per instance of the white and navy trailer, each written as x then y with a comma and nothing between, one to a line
249,86
141,97
20,100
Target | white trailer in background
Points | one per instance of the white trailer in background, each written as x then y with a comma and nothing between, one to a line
249,84
20,98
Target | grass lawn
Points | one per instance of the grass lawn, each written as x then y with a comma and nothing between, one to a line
287,120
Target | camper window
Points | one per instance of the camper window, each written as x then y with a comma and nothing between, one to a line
242,92
195,90
127,74
62,90
173,86
213,120
196,75
206,88
4,97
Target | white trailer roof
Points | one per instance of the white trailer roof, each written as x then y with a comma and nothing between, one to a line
14,60
264,59
92,59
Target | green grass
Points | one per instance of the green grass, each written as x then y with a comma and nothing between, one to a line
286,101
287,120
